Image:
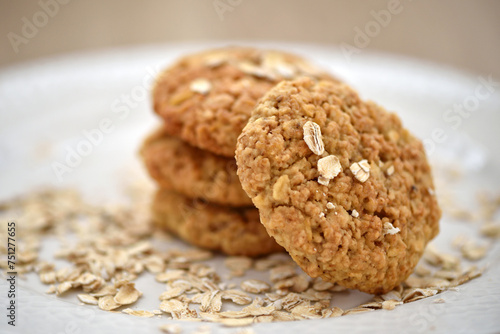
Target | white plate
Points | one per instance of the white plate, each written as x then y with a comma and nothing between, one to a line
45,107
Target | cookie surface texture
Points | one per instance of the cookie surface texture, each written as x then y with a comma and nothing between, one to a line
206,98
358,211
190,171
233,231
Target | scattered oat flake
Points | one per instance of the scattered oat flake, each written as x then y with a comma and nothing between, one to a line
323,180
283,284
207,285
390,304
241,322
27,257
305,311
422,270
390,229
245,331
108,303
418,293
357,310
468,275
439,301
312,137
183,284
257,311
237,296
202,330
63,287
436,258
140,248
87,299
169,275
390,171
201,270
338,288
154,264
226,314
193,256
491,230
200,85
288,302
373,305
87,279
211,302
314,295
48,277
255,70
300,283
51,289
364,165
285,70
361,170
172,305
331,313
329,167
172,293
171,329
139,313
238,263
197,298
104,291
266,263
472,251
127,294
281,272
447,274
282,316
322,285
254,286
276,63
214,60
391,295
426,282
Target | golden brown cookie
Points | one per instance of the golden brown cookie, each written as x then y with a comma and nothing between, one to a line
233,231
207,98
339,183
190,171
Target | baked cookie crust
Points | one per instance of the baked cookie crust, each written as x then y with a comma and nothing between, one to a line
233,231
361,218
207,98
196,173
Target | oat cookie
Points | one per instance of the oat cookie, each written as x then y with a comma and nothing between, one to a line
358,212
234,231
190,171
207,98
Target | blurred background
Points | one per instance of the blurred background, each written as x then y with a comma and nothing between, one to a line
463,34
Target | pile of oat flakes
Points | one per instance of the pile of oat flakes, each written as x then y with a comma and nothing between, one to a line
109,247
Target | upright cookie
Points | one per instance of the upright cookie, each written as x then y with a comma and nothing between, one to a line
207,98
339,183
190,171
233,231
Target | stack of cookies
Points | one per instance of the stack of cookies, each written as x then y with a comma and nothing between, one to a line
336,181
204,101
